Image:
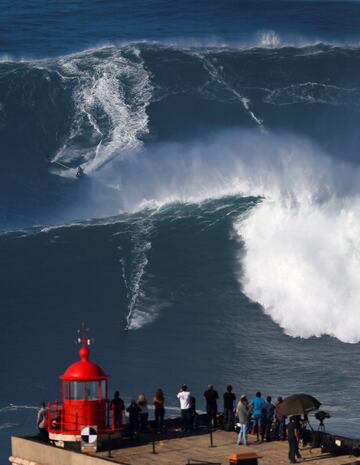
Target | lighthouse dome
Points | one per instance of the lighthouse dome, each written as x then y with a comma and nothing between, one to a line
84,370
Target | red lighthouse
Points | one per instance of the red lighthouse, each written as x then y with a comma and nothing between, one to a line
84,401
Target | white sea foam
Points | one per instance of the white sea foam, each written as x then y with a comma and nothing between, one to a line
302,241
302,247
302,264
110,98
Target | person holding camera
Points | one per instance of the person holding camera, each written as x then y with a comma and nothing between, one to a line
184,397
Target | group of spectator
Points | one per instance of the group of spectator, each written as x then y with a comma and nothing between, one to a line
258,415
138,412
261,416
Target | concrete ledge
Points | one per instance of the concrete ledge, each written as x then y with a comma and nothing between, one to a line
45,454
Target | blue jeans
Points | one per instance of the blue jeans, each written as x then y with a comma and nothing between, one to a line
242,434
258,424
280,429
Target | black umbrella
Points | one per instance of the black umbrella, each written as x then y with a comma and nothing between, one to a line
299,404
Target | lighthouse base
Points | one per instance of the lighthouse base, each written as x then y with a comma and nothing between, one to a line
73,441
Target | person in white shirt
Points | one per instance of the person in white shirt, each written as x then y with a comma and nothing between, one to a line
185,404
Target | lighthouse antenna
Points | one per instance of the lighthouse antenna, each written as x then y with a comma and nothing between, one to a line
83,338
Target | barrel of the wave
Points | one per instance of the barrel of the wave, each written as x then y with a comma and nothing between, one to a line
84,406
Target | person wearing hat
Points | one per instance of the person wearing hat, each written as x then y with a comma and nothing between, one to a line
242,411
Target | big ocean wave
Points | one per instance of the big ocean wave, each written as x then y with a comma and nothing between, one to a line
156,125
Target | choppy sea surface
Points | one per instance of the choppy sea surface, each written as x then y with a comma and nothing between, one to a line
215,235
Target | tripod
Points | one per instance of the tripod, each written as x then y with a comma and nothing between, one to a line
321,427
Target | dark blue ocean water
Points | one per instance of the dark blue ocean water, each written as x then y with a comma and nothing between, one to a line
215,234
38,29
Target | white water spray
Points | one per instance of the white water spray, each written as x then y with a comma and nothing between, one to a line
302,246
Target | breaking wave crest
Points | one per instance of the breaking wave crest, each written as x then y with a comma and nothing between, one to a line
302,264
301,257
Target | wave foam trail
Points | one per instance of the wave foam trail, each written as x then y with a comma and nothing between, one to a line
133,269
112,93
215,73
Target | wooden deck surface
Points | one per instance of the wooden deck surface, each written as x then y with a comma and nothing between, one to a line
184,450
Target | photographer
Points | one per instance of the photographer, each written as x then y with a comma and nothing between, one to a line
293,439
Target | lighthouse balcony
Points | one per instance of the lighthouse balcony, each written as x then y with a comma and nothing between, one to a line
68,419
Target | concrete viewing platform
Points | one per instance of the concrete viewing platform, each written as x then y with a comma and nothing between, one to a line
180,450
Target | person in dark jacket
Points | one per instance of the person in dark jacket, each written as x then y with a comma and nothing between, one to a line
229,399
193,413
293,436
268,410
117,407
134,412
211,397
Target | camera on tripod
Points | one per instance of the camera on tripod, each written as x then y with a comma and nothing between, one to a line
321,415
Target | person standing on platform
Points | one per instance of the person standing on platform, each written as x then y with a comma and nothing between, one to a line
268,410
134,412
293,436
159,404
211,397
193,413
242,411
41,423
229,399
185,405
144,412
117,407
280,426
256,406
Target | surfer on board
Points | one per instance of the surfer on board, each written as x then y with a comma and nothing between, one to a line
80,172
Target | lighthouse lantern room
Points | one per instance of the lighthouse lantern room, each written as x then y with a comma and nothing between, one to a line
85,400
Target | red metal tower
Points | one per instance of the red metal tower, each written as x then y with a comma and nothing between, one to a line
84,399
